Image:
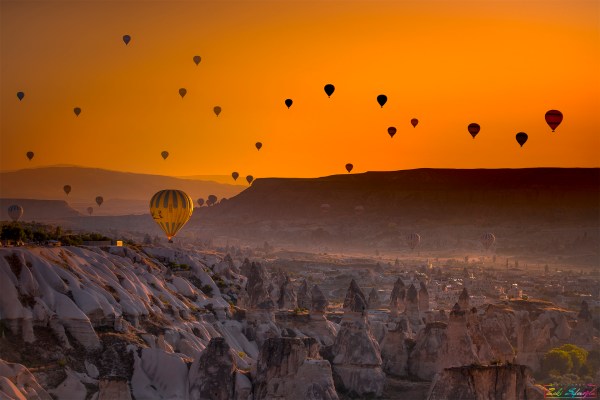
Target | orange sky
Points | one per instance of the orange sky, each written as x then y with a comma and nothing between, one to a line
501,64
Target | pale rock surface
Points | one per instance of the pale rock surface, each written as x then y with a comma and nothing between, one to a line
212,375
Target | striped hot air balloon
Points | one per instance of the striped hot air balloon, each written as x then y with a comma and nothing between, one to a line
171,210
15,212
487,240
413,240
553,119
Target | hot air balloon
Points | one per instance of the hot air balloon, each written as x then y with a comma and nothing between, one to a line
487,240
90,210
258,145
77,111
217,110
29,155
413,240
67,189
197,60
200,202
349,167
473,129
171,209
325,208
164,154
15,212
382,99
414,122
521,138
20,95
553,119
235,175
249,179
182,92
99,200
212,200
391,131
329,89
126,39
288,102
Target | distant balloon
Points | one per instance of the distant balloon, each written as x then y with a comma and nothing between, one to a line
521,138
29,155
217,110
67,189
487,240
77,111
391,131
414,122
349,167
325,208
164,154
212,200
171,210
20,95
288,102
182,92
473,129
382,99
249,179
99,200
329,89
15,212
235,175
200,202
553,119
90,210
126,39
413,240
197,60
258,145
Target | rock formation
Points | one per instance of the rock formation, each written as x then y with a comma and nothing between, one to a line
464,300
394,349
397,297
287,295
303,296
355,299
423,298
212,375
412,307
423,359
319,302
374,301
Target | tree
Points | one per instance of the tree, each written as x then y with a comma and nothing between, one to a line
577,354
12,232
556,362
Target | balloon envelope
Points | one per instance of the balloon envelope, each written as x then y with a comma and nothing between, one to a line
67,189
217,110
126,39
15,212
391,131
29,155
382,99
77,111
235,175
20,95
182,92
349,167
197,60
521,138
258,145
413,240
249,178
171,210
164,154
212,199
487,240
90,210
329,89
99,200
414,122
553,119
288,102
473,129
200,202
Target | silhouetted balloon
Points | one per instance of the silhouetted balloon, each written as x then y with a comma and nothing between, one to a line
90,210
217,110
553,119
473,129
249,178
349,167
67,189
258,145
77,111
164,154
171,210
235,175
20,95
200,202
521,138
329,89
212,200
391,131
382,99
414,122
197,60
182,92
487,240
99,200
413,240
288,102
15,212
126,39
29,155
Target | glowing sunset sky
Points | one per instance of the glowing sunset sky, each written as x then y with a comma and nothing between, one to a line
501,64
